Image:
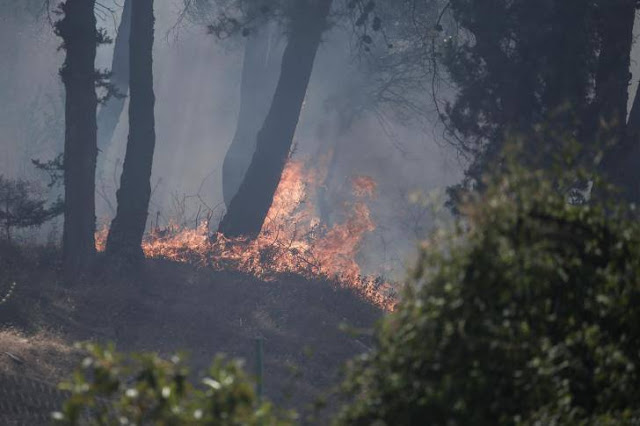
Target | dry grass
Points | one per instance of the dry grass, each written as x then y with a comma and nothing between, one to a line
43,355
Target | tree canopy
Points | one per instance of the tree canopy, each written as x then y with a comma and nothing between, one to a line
547,71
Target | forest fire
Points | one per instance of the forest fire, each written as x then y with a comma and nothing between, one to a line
292,240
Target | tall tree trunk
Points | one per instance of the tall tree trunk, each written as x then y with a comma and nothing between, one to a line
110,111
127,228
569,56
79,35
260,68
324,189
329,150
248,209
612,94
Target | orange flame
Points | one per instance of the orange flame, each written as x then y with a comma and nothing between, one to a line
292,240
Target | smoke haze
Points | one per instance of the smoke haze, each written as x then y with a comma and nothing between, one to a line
197,87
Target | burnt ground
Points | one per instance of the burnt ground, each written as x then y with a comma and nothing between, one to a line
168,307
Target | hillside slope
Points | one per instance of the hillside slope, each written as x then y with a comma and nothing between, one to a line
167,307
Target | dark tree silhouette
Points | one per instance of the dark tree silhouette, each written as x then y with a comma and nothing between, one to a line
262,55
21,207
127,228
79,35
248,209
622,162
545,72
110,111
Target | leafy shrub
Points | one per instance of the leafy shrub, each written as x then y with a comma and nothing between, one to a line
144,389
528,312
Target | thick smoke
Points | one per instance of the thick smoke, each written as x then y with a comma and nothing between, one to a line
197,80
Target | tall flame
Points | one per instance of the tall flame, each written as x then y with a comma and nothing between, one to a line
292,239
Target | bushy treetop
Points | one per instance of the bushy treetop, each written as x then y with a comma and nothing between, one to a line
527,312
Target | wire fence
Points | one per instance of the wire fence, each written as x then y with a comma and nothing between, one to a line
28,401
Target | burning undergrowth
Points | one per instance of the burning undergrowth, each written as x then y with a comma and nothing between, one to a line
292,240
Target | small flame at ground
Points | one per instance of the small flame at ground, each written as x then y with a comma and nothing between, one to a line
292,240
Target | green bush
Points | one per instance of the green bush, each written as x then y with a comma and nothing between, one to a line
144,389
527,312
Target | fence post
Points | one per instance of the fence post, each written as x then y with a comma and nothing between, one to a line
259,370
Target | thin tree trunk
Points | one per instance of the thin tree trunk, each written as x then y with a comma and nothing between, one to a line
79,35
260,68
569,56
248,209
127,228
330,147
110,111
324,189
